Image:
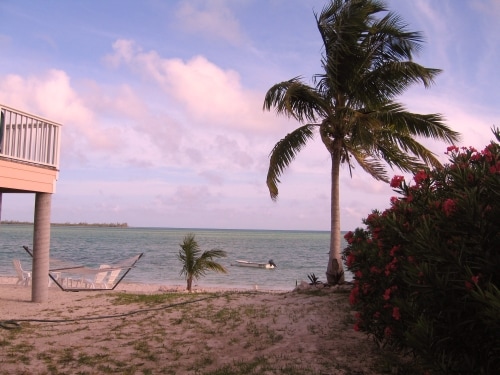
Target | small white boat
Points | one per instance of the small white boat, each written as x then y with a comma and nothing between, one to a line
245,263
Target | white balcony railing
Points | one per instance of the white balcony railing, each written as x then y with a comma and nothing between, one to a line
29,138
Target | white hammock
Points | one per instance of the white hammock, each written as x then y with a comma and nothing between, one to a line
74,277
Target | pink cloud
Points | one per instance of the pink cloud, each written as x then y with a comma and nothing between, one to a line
208,93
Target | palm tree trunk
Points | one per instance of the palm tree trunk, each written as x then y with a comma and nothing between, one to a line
334,271
189,283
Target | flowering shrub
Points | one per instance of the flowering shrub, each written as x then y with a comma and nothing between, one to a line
427,269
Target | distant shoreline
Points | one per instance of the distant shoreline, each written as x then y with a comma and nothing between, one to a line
108,225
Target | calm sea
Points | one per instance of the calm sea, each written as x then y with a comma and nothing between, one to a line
297,253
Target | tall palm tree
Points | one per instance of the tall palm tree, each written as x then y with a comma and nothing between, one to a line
196,265
367,62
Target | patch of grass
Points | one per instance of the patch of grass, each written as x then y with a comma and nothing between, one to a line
225,315
146,299
20,353
318,292
144,350
254,312
257,366
273,336
84,359
177,321
204,361
252,329
312,328
66,356
52,368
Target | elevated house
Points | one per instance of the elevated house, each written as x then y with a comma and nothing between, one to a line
29,163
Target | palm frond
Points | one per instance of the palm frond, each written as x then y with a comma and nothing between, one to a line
283,154
341,25
391,79
188,253
389,39
385,135
394,156
370,165
420,125
496,132
295,99
206,263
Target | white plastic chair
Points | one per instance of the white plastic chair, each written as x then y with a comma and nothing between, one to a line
23,277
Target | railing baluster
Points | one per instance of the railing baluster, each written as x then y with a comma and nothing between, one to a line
29,138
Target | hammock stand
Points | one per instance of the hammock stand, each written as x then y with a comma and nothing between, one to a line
60,266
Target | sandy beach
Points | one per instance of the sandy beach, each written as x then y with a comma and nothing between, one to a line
157,329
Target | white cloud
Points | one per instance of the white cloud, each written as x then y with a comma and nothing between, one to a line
210,18
208,93
50,95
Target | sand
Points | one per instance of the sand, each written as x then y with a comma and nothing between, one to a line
154,329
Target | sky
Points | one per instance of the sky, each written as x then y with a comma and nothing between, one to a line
161,105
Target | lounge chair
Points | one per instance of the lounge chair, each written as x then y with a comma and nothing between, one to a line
98,281
112,277
23,277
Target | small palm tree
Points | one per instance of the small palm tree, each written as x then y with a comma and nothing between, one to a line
195,265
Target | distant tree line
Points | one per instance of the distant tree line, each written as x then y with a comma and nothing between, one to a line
67,224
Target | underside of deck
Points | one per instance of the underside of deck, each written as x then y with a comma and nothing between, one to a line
18,177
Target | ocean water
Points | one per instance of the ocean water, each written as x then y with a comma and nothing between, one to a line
296,253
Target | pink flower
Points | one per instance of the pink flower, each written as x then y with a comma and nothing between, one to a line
395,313
387,294
394,250
350,260
487,154
372,216
475,157
396,181
349,237
451,149
420,177
449,207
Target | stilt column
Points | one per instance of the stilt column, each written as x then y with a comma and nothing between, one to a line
41,248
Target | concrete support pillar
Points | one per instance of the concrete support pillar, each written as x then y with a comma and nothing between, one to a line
41,248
